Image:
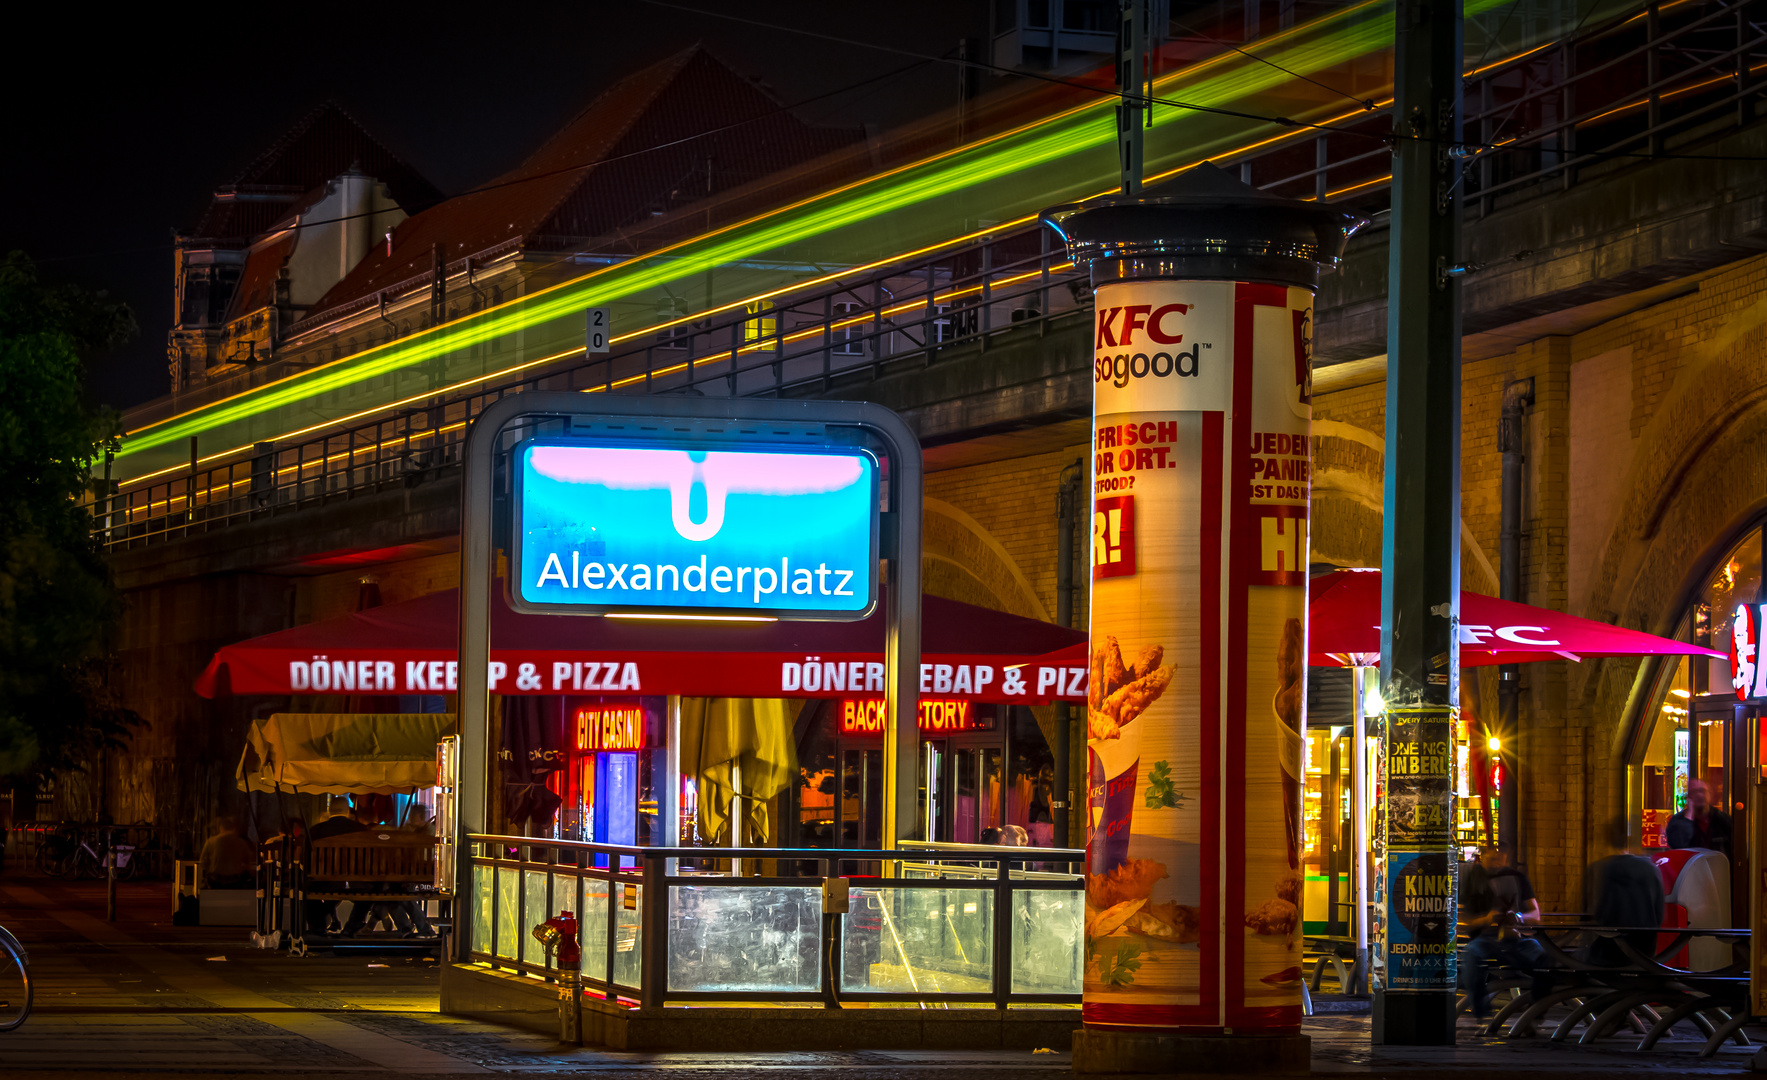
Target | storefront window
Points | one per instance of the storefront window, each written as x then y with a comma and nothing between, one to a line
985,774
1696,728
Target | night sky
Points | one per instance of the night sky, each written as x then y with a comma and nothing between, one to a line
119,135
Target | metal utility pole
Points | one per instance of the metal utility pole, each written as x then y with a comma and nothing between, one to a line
1132,81
1517,396
1420,544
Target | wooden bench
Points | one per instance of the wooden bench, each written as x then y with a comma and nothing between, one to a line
348,867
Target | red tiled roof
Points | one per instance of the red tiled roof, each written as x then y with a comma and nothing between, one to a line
257,280
321,145
600,171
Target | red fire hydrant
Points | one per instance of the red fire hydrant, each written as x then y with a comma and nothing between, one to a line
558,935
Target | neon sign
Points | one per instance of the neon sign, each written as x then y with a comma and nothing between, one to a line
867,717
768,530
610,727
1748,676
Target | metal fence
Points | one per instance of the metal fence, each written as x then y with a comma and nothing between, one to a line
1603,99
659,925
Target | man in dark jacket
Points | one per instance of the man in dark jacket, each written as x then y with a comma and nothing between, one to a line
1700,825
1496,899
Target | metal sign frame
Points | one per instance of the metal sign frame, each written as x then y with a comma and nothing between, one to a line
672,441
768,419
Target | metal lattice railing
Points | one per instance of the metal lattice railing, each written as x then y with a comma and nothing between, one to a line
1669,75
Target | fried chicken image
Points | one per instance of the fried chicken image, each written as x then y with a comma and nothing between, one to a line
1111,671
1148,660
1286,975
1170,921
1133,880
1132,699
1289,888
1111,919
1274,917
1117,693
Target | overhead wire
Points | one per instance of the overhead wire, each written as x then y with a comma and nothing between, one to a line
1146,99
1366,103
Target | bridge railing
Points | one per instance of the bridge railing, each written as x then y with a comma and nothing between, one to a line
798,345
1605,98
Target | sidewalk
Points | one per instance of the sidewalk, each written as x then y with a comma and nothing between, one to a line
140,996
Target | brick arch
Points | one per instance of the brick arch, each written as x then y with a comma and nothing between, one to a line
962,560
1349,532
1719,502
1695,463
1698,482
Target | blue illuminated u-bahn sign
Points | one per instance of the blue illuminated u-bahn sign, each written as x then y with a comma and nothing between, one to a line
767,530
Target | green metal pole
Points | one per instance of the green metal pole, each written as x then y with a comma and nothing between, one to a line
1420,544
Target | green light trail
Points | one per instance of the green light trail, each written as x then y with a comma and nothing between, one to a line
1006,176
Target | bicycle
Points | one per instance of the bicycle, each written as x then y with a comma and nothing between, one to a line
75,851
15,982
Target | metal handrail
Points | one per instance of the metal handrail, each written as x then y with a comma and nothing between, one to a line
652,875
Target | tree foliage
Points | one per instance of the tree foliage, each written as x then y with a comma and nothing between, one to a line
58,604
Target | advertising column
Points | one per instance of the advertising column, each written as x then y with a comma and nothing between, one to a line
1201,458
1199,555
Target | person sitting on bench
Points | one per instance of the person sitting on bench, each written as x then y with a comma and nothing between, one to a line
1496,898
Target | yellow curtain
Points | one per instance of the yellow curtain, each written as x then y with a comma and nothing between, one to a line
749,737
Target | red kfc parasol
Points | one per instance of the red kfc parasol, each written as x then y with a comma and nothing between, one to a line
1344,629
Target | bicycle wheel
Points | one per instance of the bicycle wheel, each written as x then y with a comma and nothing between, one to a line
15,983
55,858
88,866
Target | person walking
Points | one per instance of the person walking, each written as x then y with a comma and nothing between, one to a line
1625,891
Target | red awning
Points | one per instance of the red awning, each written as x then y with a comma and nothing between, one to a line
1344,629
968,653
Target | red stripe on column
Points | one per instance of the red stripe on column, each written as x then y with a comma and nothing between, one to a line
1240,525
1214,912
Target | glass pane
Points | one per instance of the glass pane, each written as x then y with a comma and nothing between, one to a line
628,934
765,938
817,785
874,778
482,909
964,809
852,797
592,921
911,941
508,910
933,811
534,885
1047,953
993,788
1030,779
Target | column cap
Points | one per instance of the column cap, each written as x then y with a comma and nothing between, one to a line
1204,223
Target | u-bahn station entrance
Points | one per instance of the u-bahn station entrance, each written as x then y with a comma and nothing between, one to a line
293,506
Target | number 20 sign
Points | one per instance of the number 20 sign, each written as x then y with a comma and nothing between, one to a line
596,338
